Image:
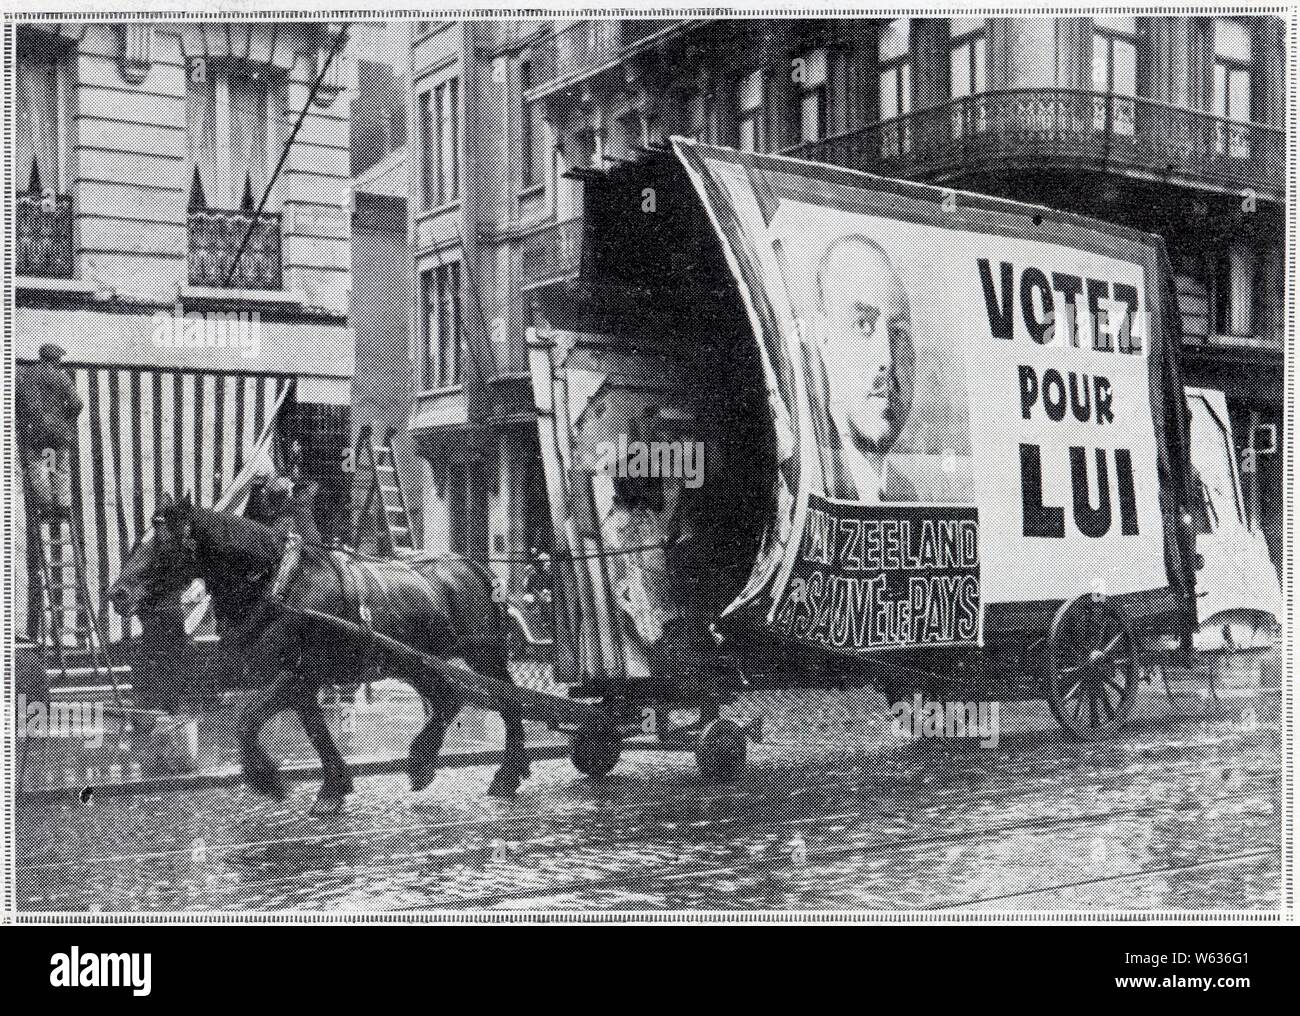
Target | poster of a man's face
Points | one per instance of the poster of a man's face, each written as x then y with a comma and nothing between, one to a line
865,345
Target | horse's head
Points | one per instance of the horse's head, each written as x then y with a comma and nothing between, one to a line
163,563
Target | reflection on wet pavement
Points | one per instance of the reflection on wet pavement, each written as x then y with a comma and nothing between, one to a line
1180,814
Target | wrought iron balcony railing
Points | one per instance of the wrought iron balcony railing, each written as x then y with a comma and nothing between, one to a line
215,236
573,53
44,235
1074,129
551,253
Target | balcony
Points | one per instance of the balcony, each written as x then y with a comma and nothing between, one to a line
588,47
215,236
44,235
550,253
1056,128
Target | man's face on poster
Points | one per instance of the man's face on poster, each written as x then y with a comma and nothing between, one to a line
867,348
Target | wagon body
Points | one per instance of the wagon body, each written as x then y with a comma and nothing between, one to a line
801,424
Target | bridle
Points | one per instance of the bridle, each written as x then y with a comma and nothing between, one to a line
238,586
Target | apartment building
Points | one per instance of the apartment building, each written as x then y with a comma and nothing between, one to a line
143,151
1168,124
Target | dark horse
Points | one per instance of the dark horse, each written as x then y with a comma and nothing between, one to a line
442,605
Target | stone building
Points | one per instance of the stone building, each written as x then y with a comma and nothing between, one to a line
142,152
1170,124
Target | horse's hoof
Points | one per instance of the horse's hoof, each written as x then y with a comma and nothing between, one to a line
327,806
267,782
421,774
504,786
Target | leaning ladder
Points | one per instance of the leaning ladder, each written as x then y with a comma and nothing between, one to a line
384,512
74,644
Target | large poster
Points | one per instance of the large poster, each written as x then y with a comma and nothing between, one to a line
874,576
979,399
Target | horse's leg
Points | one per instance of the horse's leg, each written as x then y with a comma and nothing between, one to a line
259,771
337,784
422,763
514,767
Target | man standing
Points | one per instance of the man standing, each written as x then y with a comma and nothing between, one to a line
47,408
863,376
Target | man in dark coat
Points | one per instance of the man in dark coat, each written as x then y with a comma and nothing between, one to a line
47,408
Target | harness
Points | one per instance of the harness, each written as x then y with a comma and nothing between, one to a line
290,566
365,595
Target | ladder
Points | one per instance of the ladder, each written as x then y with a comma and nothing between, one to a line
74,644
384,516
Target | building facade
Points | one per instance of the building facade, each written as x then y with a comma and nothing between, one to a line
383,274
471,418
1174,125
142,154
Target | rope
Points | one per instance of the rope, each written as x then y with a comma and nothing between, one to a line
284,154
496,559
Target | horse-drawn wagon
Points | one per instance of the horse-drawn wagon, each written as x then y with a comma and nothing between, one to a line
799,427
803,426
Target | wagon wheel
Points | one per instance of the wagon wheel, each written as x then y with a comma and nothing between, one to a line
720,753
1091,674
595,749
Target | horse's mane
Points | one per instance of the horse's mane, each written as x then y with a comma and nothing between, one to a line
226,533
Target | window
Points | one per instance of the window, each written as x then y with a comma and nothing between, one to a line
751,96
894,59
811,96
230,110
968,67
449,141
40,121
439,122
443,334
44,211
532,145
425,127
1114,72
458,521
1233,292
1232,85
968,56
671,118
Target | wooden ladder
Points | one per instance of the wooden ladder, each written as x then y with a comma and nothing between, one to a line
384,516
74,644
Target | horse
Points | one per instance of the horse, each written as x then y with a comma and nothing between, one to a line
443,605
161,678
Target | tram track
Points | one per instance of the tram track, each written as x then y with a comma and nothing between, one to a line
1242,857
642,880
711,795
449,859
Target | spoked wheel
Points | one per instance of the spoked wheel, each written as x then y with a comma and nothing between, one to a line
1091,673
595,749
720,753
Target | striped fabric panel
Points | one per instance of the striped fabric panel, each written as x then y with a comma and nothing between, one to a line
145,432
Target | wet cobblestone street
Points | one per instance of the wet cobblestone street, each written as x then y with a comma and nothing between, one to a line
1181,812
